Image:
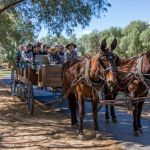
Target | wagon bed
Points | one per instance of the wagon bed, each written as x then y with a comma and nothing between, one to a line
22,80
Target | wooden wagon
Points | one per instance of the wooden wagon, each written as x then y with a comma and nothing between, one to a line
23,80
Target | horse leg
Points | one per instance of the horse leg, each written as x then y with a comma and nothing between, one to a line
94,112
140,107
107,117
113,114
135,122
72,106
81,116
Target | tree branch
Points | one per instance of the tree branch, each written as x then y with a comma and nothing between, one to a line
10,5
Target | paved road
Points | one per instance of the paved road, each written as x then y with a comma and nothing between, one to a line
121,131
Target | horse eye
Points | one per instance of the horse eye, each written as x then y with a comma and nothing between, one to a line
111,57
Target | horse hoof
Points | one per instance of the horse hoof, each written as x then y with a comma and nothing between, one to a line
75,126
114,120
81,137
136,133
141,130
98,135
107,120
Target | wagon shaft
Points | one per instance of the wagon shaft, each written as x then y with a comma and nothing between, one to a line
121,101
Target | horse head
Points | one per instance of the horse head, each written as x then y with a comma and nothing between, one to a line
108,62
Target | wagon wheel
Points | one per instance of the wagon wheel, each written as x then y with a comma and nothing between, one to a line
30,98
23,92
13,83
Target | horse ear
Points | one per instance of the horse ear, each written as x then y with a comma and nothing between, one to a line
113,44
103,45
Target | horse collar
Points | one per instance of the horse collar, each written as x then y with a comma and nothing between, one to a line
139,65
87,75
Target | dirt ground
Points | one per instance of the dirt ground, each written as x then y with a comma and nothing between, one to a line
47,129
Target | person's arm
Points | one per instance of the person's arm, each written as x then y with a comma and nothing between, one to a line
76,54
31,57
65,56
50,58
58,59
25,57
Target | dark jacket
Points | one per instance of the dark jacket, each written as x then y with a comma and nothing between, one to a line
53,58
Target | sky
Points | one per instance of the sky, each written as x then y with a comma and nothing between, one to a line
120,14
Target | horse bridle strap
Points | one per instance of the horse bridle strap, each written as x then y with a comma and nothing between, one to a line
87,75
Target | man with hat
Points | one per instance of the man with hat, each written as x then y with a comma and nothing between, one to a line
70,53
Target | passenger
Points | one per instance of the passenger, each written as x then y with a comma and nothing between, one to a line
27,55
70,53
34,50
53,56
44,51
61,53
18,56
38,49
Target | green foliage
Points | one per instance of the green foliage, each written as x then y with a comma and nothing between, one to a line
64,15
133,40
145,39
13,32
20,20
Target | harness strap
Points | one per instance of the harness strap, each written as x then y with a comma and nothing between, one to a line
73,84
86,71
139,71
87,75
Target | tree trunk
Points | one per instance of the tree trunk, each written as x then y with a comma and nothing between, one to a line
9,66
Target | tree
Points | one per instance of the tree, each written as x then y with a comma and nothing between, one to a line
145,39
132,32
57,15
13,32
124,47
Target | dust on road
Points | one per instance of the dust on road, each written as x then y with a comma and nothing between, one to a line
47,129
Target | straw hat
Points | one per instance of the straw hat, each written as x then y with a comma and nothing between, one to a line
71,44
53,49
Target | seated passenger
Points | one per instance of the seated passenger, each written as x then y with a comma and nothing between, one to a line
27,55
18,56
61,53
53,56
44,51
70,53
38,49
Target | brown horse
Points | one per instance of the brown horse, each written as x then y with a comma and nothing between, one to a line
133,80
84,78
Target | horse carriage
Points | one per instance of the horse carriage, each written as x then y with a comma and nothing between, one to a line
41,74
100,78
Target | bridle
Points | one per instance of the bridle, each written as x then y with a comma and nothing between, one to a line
110,58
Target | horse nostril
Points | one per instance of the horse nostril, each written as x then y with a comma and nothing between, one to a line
109,82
